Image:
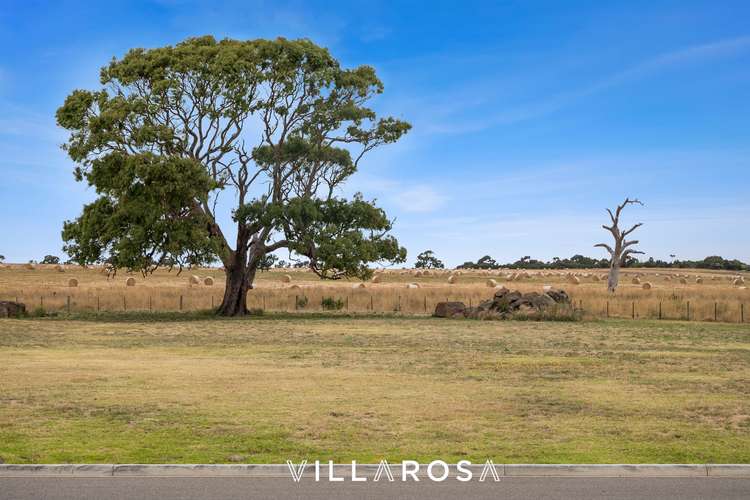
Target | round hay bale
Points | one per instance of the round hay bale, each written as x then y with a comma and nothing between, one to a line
376,279
739,281
426,272
194,280
452,279
596,277
418,274
130,281
491,283
286,279
359,285
683,281
294,287
698,281
636,281
573,280
59,268
667,278
208,281
72,282
646,286
29,266
412,285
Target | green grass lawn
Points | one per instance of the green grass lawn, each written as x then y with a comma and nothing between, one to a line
275,388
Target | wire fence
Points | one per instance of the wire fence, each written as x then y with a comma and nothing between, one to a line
406,302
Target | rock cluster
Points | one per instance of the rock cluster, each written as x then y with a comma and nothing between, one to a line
504,304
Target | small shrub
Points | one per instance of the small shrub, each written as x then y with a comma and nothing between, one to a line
40,312
331,304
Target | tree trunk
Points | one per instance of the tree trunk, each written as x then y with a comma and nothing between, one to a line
239,280
614,276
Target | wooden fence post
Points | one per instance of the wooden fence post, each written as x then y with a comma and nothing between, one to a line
149,303
660,309
742,312
716,312
688,310
608,309
68,304
633,313
41,302
124,304
98,305
180,302
372,307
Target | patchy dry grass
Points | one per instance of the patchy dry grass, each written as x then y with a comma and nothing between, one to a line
268,389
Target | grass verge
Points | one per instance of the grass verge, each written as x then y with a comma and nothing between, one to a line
192,389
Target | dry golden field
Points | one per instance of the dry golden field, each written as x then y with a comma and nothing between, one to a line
674,293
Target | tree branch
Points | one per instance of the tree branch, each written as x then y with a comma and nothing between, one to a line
606,247
635,226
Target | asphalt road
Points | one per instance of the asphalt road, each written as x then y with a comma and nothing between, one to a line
250,488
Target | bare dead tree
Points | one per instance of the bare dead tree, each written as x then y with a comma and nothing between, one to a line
622,248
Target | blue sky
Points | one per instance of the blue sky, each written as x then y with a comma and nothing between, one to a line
530,117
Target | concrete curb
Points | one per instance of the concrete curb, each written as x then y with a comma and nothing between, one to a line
614,470
368,470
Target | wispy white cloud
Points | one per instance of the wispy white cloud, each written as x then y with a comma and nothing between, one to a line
19,121
544,106
420,199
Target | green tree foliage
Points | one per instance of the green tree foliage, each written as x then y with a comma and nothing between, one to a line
267,262
582,262
278,124
712,262
50,259
427,260
145,216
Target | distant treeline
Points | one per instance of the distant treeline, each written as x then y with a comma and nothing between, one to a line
583,262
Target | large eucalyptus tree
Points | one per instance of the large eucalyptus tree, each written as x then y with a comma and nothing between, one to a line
278,124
